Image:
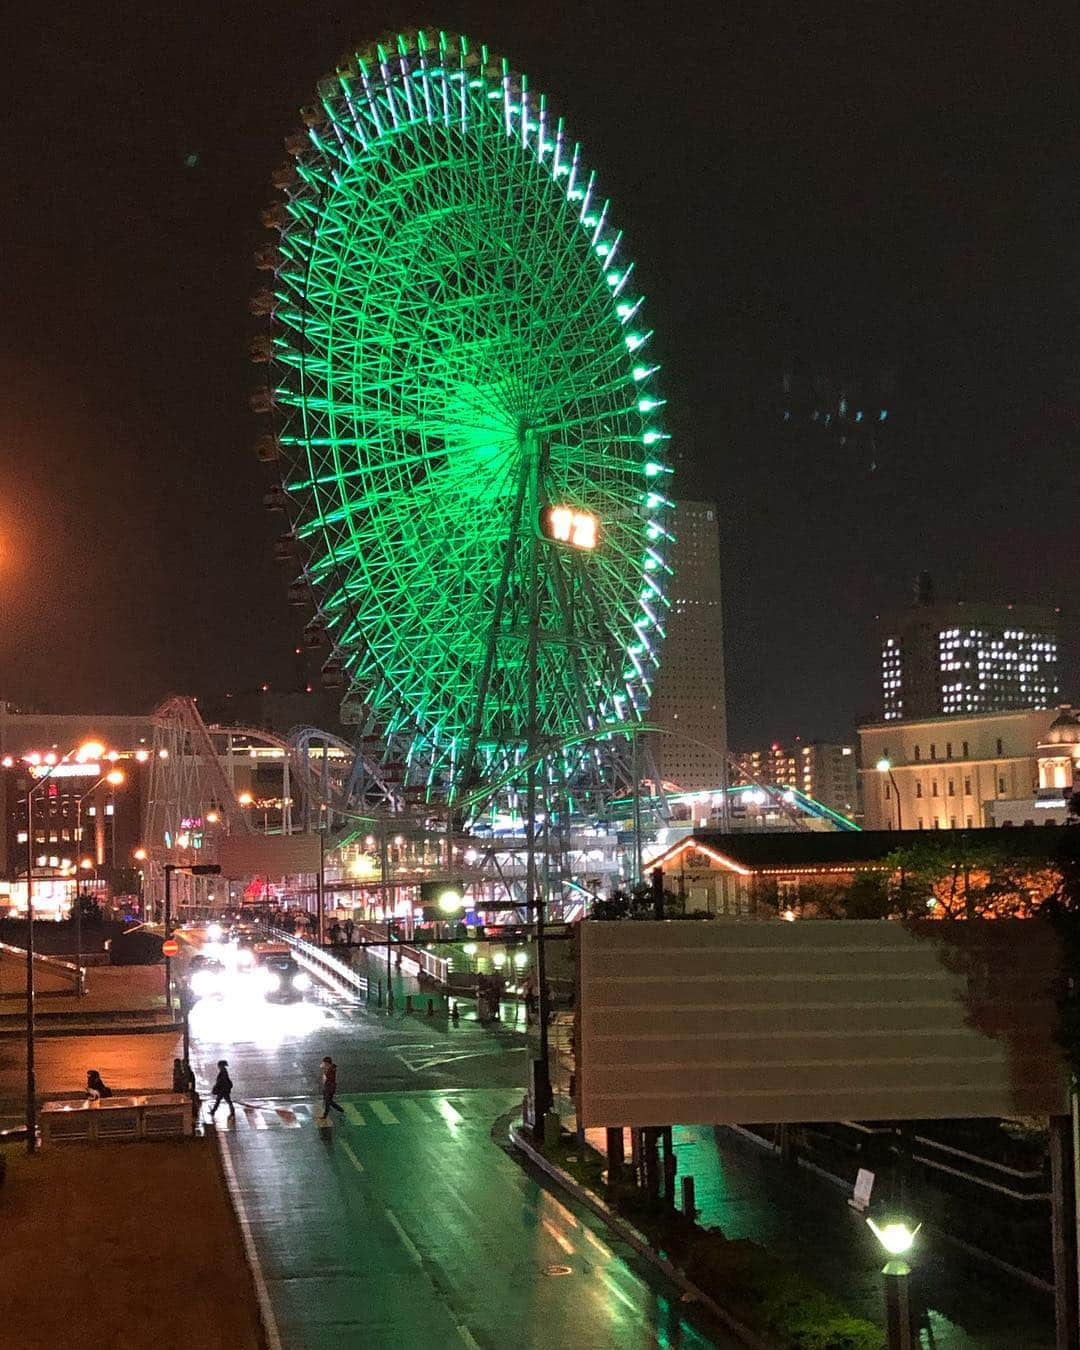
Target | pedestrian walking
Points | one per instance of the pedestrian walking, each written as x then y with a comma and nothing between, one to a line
222,1089
349,929
329,1087
95,1088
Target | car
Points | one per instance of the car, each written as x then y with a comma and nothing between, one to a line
208,977
281,978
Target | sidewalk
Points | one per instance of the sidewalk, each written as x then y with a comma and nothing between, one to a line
128,996
960,1305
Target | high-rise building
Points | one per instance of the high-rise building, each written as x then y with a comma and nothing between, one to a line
963,658
822,770
688,701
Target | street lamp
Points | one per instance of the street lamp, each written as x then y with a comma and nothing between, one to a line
48,764
897,1238
885,766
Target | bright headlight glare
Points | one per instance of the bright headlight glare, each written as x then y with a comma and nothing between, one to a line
202,983
302,981
271,980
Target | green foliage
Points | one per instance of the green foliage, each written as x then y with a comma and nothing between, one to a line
89,909
741,1276
1063,912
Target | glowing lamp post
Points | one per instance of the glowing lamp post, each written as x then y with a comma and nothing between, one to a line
885,766
897,1238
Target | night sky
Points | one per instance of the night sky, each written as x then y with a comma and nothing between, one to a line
821,189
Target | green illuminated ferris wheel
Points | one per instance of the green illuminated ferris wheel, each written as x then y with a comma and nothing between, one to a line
466,417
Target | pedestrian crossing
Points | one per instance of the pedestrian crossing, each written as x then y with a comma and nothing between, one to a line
364,1112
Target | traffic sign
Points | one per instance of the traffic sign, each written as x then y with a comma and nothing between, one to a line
170,947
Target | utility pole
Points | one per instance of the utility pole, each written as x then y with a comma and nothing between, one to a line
31,1081
639,871
170,868
542,1075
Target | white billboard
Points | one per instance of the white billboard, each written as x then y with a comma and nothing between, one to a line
730,1021
268,855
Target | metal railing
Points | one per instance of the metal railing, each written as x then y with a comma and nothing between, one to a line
414,960
324,966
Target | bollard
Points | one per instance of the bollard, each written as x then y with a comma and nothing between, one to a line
455,1016
431,1007
408,1004
688,1206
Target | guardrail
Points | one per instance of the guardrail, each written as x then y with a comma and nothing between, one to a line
326,967
413,960
76,974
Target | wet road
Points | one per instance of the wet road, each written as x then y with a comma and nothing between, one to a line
405,1222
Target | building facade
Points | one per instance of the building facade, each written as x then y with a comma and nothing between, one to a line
967,658
688,701
81,823
941,773
820,769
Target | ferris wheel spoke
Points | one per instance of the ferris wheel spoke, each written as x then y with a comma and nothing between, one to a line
448,285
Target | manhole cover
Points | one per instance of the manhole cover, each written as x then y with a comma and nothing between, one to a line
558,1270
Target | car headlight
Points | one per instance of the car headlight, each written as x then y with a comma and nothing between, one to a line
245,957
301,981
271,981
202,983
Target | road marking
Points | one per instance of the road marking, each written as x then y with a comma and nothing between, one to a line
255,1119
384,1113
288,1118
564,1243
352,1114
412,1109
447,1111
262,1294
352,1156
409,1244
469,1339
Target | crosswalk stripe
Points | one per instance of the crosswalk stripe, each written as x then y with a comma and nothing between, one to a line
384,1113
448,1113
288,1118
413,1110
255,1118
352,1114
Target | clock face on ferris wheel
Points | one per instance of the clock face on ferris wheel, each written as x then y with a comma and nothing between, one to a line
459,362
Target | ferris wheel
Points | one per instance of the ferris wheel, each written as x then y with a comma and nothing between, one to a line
466,418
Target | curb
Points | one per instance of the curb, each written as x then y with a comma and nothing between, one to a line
640,1243
267,1320
91,1029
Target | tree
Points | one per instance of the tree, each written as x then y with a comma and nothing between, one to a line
1062,910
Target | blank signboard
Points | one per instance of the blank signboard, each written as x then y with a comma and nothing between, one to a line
269,855
740,1022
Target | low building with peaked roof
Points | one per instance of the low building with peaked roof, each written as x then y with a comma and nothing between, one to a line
760,875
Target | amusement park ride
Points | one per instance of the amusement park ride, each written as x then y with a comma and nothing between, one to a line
465,424
465,420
